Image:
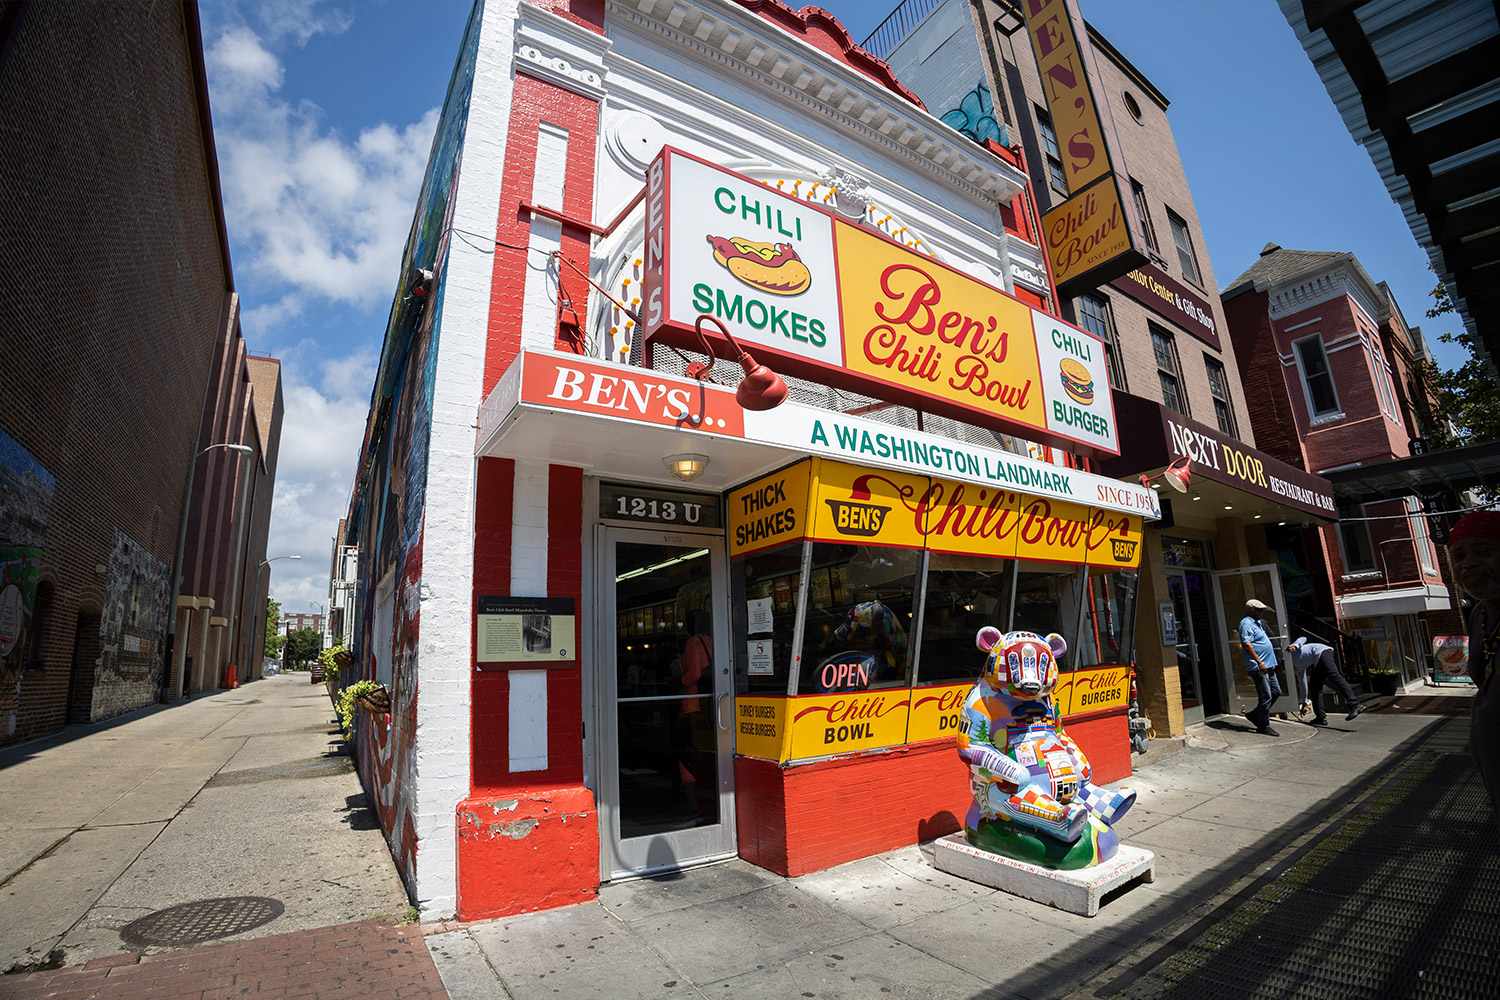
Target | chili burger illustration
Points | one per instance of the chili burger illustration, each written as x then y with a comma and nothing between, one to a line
769,267
1077,381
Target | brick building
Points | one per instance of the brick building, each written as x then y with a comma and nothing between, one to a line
1327,352
119,319
635,620
1178,383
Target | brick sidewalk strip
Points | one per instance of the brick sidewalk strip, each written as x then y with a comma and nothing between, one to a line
344,962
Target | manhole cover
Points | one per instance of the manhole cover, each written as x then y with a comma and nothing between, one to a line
204,920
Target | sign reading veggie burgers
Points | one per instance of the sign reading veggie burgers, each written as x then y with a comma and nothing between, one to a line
823,299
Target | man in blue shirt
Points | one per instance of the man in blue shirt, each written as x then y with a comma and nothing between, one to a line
1260,662
1321,664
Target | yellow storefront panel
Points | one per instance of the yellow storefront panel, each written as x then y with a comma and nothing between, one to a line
971,520
760,727
1055,530
861,506
867,720
935,710
1092,690
922,327
1114,539
770,511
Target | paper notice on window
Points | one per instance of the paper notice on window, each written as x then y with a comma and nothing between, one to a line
759,657
759,612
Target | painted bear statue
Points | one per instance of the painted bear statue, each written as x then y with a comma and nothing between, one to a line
1033,800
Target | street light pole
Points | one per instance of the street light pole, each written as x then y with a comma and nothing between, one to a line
256,597
187,501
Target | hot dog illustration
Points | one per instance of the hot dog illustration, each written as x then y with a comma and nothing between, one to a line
1077,381
770,267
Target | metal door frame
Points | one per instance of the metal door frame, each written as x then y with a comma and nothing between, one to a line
1181,572
698,845
1235,660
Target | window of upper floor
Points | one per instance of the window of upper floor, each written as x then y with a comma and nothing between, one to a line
1187,259
1168,370
1094,316
1051,150
1317,379
1144,211
1354,540
1218,388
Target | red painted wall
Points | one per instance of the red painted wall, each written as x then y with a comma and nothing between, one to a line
807,817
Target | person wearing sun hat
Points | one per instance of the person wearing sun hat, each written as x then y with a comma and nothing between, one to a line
1260,663
1474,548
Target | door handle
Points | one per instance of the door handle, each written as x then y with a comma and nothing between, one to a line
719,711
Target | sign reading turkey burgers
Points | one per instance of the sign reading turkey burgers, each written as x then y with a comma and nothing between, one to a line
820,298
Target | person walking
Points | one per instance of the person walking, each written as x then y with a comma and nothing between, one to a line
1260,662
1321,663
1474,547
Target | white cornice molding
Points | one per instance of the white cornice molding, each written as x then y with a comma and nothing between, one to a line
555,49
729,38
1312,289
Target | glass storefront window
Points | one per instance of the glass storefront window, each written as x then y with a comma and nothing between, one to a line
765,588
1047,600
964,594
857,631
1109,629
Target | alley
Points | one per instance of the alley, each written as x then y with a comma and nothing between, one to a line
235,802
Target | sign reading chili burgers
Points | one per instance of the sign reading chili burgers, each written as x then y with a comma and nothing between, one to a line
817,297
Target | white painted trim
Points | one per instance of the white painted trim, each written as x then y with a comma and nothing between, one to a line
528,720
539,307
528,578
554,49
441,768
1314,416
1315,319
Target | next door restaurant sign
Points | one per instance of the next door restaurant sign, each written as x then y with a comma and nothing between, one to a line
819,298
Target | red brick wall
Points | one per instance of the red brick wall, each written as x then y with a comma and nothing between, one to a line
1265,380
108,234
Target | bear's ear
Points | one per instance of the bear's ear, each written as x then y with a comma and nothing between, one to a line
987,637
1058,644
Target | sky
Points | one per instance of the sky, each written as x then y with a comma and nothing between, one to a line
324,112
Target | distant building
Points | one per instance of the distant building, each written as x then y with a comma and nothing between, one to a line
120,360
1331,363
343,577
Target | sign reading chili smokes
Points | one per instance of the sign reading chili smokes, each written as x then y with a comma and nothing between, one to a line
820,298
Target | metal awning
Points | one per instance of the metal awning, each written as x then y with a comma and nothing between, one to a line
1453,471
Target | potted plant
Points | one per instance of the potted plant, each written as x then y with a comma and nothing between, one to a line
1384,680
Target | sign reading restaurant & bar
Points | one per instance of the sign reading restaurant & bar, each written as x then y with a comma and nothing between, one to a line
820,298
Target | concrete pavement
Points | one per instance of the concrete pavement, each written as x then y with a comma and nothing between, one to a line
1220,809
238,808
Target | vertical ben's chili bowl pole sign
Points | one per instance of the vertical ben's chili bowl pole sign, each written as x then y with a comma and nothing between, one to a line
819,298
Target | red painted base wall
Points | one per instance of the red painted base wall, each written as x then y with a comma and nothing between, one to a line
808,817
534,851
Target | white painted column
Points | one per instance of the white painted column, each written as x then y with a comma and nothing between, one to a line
528,578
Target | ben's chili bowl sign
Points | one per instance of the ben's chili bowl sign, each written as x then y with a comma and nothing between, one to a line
823,299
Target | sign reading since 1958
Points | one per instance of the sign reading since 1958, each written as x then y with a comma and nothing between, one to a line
632,503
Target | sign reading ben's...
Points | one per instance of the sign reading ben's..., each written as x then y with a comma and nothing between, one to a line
823,299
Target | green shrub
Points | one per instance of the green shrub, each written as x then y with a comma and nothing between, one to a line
346,707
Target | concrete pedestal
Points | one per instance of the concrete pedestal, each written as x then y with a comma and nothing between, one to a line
1076,891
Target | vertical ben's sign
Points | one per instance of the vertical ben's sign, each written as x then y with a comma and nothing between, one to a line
1091,236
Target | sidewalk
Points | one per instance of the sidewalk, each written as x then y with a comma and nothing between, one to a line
235,817
1223,811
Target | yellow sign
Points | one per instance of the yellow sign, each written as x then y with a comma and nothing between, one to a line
922,327
1114,539
1092,690
760,727
1075,119
935,710
1086,231
823,725
770,511
864,507
972,520
1054,530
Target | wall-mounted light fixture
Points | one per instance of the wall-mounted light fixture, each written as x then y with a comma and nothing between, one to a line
759,389
1175,475
687,466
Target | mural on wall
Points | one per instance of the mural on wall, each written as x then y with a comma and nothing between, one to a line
393,482
975,115
25,497
132,626
1033,797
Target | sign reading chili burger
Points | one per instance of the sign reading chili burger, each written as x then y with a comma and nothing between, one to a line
817,297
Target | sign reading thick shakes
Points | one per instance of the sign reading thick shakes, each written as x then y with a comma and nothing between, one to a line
819,298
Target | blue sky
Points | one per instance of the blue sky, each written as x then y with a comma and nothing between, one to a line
324,113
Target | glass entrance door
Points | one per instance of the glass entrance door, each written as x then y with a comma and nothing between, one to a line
1188,672
667,795
1232,588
